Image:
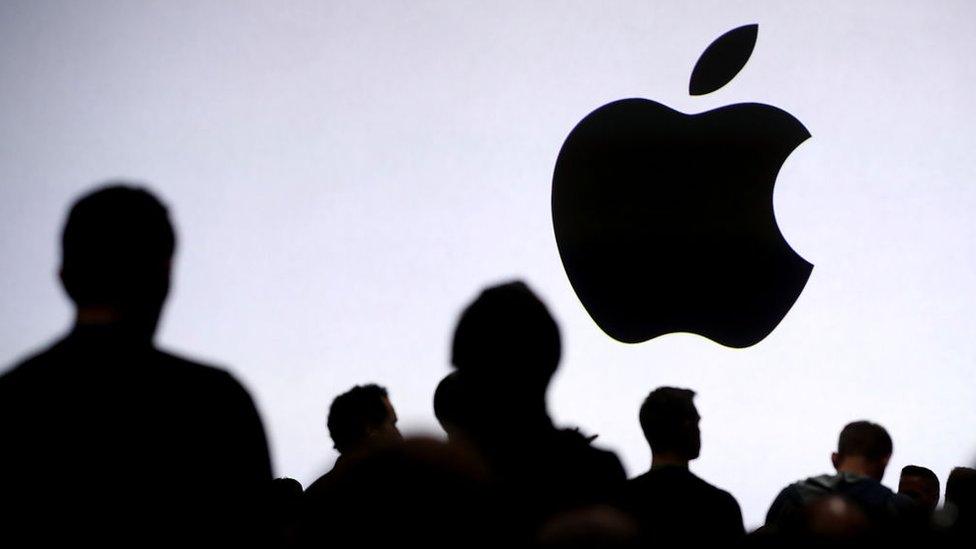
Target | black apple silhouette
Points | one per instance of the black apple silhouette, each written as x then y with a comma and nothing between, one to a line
664,220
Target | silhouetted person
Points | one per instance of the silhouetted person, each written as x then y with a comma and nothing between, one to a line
412,493
361,421
921,485
283,508
506,349
107,439
863,452
673,505
960,502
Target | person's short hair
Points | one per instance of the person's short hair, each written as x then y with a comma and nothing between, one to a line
665,418
354,412
507,333
961,487
115,245
923,473
865,439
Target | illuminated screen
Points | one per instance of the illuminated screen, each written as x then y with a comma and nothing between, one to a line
346,176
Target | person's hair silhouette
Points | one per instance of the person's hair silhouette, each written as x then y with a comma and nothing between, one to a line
863,448
361,415
960,498
107,439
507,334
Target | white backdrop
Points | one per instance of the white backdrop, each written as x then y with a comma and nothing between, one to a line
345,176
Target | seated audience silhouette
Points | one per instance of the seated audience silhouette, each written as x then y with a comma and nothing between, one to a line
863,452
922,486
107,439
506,349
671,504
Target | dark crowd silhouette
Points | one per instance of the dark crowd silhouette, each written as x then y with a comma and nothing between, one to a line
108,441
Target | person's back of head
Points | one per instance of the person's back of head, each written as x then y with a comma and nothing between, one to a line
508,337
117,246
921,485
669,420
452,406
360,417
961,488
863,448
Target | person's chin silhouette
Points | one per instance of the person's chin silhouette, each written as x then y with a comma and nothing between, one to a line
107,438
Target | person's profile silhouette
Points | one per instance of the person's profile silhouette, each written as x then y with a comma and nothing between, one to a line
107,439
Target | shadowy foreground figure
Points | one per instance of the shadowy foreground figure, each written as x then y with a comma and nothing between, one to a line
673,506
506,349
410,493
960,504
108,440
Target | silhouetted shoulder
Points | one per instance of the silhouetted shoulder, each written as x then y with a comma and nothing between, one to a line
602,462
672,503
30,366
215,377
167,442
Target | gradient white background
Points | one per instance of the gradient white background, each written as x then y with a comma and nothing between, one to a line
345,176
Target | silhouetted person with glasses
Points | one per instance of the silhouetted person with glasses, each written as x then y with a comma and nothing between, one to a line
673,505
107,439
506,349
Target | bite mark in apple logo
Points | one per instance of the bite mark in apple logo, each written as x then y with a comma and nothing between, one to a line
664,221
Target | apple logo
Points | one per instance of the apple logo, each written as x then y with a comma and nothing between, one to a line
664,220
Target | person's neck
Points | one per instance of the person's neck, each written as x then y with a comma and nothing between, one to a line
112,321
858,465
667,459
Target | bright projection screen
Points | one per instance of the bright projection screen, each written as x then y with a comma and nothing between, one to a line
345,176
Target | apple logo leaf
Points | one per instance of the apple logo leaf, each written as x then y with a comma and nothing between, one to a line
723,59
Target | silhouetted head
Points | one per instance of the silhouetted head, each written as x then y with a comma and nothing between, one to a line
920,484
508,338
669,420
961,488
117,247
863,448
361,418
451,405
